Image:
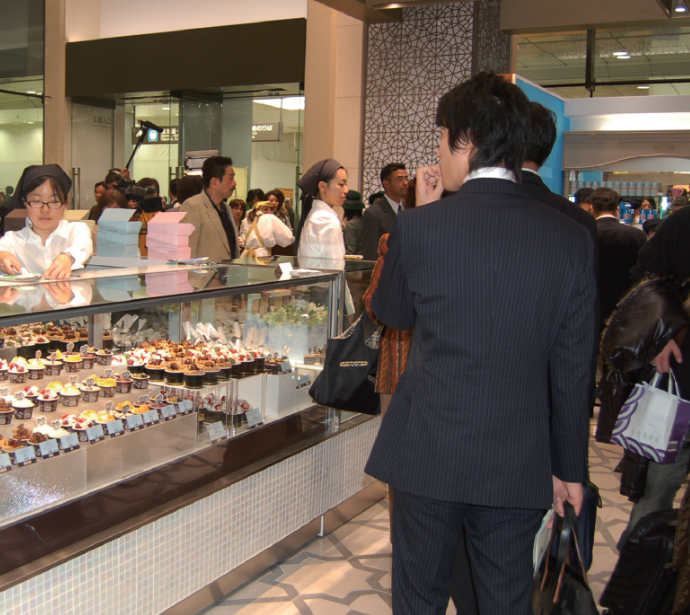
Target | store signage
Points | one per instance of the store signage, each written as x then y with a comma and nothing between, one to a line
135,422
254,418
48,449
115,428
151,417
267,131
170,135
169,413
216,432
5,463
25,456
95,434
69,443
101,121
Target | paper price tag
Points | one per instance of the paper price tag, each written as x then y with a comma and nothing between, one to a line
108,373
216,432
48,449
254,418
285,268
169,413
185,407
134,422
115,428
95,434
5,463
151,417
25,456
69,443
285,367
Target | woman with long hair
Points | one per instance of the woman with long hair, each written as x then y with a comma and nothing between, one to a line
277,199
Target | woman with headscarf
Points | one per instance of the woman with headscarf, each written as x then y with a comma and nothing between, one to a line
320,235
47,244
265,231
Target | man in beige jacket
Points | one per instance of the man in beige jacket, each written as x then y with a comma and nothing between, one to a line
215,235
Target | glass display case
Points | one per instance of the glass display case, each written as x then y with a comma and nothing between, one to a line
118,372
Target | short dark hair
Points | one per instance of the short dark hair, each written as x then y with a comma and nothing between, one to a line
651,225
112,177
172,186
679,201
99,184
583,195
109,198
491,114
543,133
55,184
214,167
189,186
255,192
605,199
148,182
389,169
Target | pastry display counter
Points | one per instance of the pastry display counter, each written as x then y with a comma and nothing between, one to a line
127,392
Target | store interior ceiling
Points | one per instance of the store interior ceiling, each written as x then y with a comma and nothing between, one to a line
627,62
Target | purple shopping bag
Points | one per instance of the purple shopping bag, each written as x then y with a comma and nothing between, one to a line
653,422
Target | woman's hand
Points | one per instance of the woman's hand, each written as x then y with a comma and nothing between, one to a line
429,185
9,263
60,291
60,268
662,361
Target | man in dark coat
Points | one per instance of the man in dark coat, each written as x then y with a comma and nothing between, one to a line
501,293
542,137
618,246
379,218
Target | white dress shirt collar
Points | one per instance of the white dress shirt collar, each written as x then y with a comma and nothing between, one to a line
397,207
319,205
490,173
607,216
530,171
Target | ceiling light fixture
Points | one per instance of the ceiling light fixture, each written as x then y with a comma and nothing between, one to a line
642,87
626,57
165,108
620,53
680,7
31,91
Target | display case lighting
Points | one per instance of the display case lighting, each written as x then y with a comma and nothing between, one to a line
680,7
642,87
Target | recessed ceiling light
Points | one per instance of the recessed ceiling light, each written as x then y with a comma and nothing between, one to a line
681,8
30,122
623,57
642,87
31,91
165,108
620,53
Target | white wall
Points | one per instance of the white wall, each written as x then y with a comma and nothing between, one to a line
130,17
20,146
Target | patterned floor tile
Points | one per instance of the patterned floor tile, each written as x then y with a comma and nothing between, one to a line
348,572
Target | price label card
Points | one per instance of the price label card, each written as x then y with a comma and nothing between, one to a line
254,418
169,413
25,456
285,367
69,443
5,463
48,449
216,432
115,428
151,417
185,407
134,422
95,434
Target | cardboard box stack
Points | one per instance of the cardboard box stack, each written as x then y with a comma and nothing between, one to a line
117,236
167,237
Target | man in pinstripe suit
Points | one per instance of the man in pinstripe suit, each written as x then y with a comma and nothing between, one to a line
501,293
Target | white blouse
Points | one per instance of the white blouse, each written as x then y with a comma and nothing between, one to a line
272,232
74,238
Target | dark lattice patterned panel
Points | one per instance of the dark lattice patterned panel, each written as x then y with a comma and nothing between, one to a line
410,65
491,47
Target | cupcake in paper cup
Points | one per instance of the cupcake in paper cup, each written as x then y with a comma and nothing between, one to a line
23,408
18,373
4,370
72,363
70,396
107,386
47,401
37,369
90,393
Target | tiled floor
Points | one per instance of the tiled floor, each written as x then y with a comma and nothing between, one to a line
348,571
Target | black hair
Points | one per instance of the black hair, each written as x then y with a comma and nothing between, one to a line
111,178
543,133
172,186
678,202
352,213
491,114
255,193
189,186
60,190
100,184
651,225
583,195
307,202
214,167
605,199
148,182
651,200
389,169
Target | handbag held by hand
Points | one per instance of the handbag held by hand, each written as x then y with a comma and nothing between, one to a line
653,422
349,373
561,588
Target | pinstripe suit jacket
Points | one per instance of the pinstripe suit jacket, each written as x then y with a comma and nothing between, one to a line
500,291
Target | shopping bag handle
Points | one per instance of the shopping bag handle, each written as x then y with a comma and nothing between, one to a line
568,535
672,388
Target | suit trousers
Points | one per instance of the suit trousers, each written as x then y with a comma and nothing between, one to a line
426,536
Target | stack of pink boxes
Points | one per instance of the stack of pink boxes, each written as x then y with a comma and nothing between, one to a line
168,282
167,237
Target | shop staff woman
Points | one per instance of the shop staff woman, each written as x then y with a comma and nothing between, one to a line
47,244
